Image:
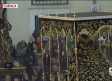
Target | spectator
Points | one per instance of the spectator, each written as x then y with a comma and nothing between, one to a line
16,79
69,53
39,42
104,38
34,53
30,46
8,78
33,77
63,47
35,47
55,70
62,76
54,61
54,52
47,58
72,45
24,44
25,77
95,40
105,54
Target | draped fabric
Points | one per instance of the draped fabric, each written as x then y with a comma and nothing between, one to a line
91,64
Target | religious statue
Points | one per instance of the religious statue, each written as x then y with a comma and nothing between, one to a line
5,40
91,66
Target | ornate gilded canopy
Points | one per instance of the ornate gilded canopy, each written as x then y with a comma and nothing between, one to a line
73,23
92,21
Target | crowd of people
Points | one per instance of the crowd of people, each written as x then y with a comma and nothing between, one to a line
31,57
104,45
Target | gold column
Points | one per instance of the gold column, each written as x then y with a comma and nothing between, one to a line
108,30
50,54
67,57
59,77
99,42
43,74
77,78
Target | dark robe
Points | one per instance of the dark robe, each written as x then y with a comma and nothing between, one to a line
14,53
39,78
96,42
47,60
56,77
29,70
34,60
30,46
64,63
90,63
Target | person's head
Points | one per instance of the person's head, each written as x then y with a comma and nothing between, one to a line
8,78
25,77
54,61
39,39
63,41
55,44
31,38
16,79
46,45
104,33
33,77
23,43
55,68
34,45
72,44
40,58
55,49
35,51
62,76
69,52
104,50
39,62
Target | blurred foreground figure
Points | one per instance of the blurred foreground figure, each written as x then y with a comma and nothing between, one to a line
5,40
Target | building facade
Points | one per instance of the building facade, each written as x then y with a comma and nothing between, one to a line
23,18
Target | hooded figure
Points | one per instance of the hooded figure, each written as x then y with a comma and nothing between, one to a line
91,65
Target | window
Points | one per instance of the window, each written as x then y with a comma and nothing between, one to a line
37,25
49,2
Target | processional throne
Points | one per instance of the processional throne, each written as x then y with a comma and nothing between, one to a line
6,64
74,24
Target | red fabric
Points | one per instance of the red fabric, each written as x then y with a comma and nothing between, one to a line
39,44
47,49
